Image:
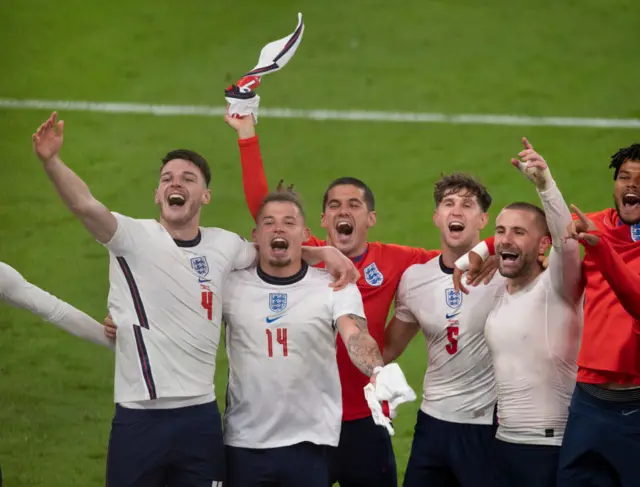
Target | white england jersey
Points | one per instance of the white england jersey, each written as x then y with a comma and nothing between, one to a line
459,385
166,301
284,386
534,336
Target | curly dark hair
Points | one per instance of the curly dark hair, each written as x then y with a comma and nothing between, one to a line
631,153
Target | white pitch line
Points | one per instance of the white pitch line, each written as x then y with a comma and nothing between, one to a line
340,115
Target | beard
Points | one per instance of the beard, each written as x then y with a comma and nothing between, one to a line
280,262
179,215
622,219
526,264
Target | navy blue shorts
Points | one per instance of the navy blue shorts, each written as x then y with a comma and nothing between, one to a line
601,444
364,457
302,464
447,454
526,465
166,447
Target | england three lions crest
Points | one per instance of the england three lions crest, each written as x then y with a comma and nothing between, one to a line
372,275
635,232
200,265
277,302
453,298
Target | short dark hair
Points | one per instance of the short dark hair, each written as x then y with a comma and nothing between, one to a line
540,216
369,200
457,181
191,156
282,195
631,153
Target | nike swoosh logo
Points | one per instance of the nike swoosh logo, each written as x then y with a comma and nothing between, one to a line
271,320
629,413
449,316
201,280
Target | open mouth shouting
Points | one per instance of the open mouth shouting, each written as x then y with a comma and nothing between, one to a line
176,199
631,200
344,230
279,246
456,227
509,258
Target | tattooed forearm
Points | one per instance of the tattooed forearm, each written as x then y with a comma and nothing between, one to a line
363,349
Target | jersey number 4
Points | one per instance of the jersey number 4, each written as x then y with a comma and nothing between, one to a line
281,338
452,336
207,303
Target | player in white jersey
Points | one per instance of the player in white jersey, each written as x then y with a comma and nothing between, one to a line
455,426
284,398
18,292
533,331
166,430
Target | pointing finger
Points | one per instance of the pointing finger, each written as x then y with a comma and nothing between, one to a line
583,218
526,143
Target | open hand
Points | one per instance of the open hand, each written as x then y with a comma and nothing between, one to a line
47,140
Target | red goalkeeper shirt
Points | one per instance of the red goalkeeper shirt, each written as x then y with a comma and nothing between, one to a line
610,348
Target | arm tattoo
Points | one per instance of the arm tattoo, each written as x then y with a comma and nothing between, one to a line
363,349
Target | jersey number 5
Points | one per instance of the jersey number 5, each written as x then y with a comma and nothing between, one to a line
452,336
281,338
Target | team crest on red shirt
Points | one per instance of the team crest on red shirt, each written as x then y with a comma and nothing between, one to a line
635,232
372,275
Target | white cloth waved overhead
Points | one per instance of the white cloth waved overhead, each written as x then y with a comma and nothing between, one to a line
241,97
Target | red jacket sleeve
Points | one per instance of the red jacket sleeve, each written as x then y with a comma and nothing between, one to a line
254,179
622,279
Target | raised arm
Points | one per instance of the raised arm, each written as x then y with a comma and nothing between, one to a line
18,292
624,281
254,179
565,265
75,194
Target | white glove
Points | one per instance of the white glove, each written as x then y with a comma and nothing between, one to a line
377,414
242,103
391,386
241,97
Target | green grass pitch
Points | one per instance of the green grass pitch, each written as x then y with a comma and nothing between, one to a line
541,58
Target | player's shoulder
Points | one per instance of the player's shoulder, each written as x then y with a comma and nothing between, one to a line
389,249
318,276
215,233
241,278
220,239
149,223
607,217
428,271
320,279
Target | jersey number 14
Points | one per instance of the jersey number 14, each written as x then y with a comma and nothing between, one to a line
281,338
